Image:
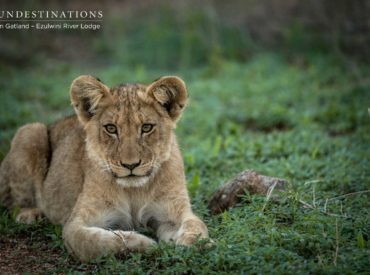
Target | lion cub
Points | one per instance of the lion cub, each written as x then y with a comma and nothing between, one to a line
109,169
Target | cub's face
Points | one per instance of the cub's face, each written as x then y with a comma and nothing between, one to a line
129,128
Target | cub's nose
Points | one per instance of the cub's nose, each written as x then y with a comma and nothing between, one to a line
130,166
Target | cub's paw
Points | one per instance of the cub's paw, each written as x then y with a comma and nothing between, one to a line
188,239
191,231
134,241
29,215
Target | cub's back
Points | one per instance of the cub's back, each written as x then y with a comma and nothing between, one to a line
63,128
65,176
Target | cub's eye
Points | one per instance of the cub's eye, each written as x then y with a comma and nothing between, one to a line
146,128
110,128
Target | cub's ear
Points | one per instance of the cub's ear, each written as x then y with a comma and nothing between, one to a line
86,93
170,92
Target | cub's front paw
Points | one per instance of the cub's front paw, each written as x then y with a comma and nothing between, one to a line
134,241
191,231
187,239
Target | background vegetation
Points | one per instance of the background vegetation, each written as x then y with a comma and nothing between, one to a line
281,87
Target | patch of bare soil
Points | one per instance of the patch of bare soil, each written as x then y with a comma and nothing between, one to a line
27,253
33,253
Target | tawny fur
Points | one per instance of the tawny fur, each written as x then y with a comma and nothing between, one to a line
75,172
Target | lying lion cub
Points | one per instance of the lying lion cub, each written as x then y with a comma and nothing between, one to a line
105,172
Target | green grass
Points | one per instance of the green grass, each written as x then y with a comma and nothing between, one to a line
304,119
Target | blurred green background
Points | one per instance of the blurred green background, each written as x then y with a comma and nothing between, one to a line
282,87
180,34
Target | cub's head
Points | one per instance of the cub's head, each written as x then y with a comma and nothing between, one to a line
129,128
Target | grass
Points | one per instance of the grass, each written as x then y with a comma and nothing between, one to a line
301,118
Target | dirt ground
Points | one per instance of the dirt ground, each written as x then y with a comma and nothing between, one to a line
26,254
32,253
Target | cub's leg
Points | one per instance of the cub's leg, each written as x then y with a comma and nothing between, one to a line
23,170
183,232
191,229
179,224
85,235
